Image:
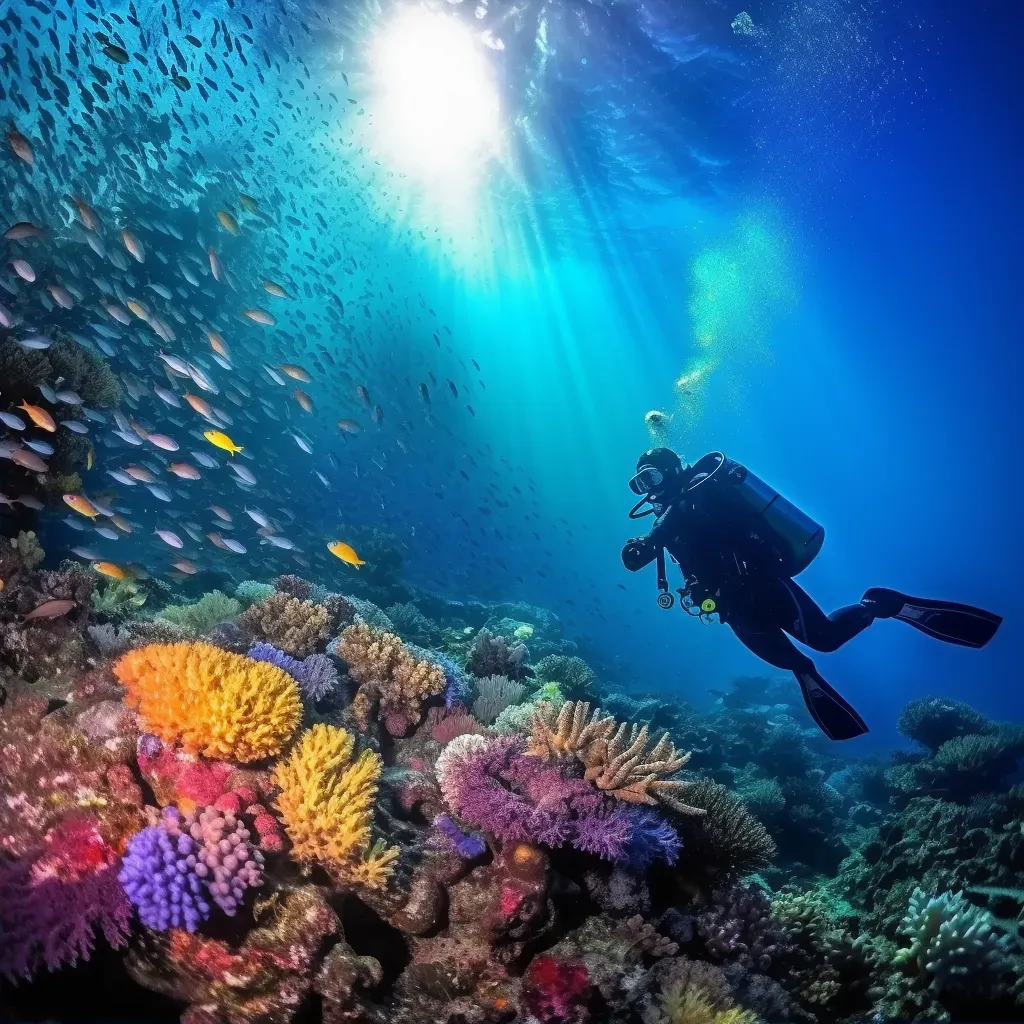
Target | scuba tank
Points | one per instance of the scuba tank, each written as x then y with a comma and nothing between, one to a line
796,536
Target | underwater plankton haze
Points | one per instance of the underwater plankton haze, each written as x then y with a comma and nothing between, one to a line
507,512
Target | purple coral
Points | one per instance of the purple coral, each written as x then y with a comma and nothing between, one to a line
651,838
467,845
737,927
53,903
159,876
316,675
227,862
494,785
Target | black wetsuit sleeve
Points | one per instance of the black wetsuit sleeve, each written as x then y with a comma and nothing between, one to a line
639,552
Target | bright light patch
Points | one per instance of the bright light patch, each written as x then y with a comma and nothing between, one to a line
436,110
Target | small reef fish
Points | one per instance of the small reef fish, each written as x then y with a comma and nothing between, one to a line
273,288
296,372
260,316
168,444
345,552
133,245
184,471
169,538
228,222
349,426
29,460
221,440
39,416
49,610
111,569
185,566
303,399
83,506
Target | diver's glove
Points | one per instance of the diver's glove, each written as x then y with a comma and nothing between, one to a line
638,552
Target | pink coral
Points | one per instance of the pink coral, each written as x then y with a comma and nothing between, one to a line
555,992
53,902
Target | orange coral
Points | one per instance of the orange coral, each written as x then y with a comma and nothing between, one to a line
212,702
389,676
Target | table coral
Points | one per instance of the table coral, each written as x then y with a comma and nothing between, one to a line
391,680
326,803
211,701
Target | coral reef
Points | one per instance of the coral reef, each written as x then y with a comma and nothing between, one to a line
326,803
392,682
200,617
211,701
297,627
264,831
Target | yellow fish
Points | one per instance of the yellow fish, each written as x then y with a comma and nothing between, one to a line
83,506
111,569
221,440
228,222
345,552
138,309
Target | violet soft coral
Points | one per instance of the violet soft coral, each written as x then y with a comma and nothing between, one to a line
316,675
53,903
159,876
494,785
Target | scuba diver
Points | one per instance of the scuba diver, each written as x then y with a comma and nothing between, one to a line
739,544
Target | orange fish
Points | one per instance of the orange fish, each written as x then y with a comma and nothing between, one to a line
200,405
215,538
39,416
83,506
217,344
111,569
296,372
140,473
185,566
304,400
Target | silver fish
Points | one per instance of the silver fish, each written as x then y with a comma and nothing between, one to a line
107,532
75,427
12,421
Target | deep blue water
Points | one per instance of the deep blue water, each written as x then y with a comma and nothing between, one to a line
824,218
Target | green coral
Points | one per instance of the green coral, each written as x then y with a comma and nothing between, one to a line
252,591
118,599
202,616
574,675
517,717
30,551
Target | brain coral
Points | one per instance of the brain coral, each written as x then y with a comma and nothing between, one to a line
210,701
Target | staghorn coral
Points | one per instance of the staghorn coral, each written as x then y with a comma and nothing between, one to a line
54,901
616,760
211,701
494,694
391,681
297,627
201,616
326,803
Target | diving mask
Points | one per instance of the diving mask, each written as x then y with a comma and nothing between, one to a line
647,480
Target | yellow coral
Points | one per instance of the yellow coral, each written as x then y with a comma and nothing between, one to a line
326,803
690,1005
388,674
211,701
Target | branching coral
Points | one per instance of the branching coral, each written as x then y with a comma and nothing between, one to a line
326,803
953,944
494,694
297,627
391,681
211,701
931,721
494,785
616,760
201,616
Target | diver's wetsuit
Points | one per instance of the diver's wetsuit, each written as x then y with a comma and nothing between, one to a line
743,573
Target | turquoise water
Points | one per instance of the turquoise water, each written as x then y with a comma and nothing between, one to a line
803,216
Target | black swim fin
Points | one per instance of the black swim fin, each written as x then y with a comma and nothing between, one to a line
955,623
836,719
